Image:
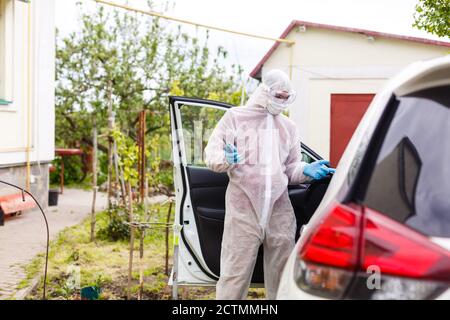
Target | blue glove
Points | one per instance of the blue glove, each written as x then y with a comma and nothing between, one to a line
231,154
318,170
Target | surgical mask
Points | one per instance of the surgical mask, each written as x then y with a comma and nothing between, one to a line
276,108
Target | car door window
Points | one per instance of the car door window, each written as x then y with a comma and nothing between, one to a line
411,179
307,158
198,122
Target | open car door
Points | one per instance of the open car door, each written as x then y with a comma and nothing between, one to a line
200,193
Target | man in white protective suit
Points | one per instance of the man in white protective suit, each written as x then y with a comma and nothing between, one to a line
260,149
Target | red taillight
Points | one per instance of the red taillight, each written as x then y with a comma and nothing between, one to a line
400,251
354,240
336,241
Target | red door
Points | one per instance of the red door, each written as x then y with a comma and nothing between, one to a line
346,113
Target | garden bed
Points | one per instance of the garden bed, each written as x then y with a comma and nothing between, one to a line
104,264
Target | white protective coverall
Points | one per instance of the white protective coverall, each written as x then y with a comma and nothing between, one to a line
258,208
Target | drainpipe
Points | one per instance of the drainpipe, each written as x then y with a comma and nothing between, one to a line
291,59
29,92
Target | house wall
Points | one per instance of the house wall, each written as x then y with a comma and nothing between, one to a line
327,61
17,175
30,119
33,101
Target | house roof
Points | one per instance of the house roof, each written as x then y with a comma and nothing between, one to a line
256,73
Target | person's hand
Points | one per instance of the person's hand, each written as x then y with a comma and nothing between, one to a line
231,154
318,169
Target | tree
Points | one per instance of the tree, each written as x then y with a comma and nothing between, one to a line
433,16
134,62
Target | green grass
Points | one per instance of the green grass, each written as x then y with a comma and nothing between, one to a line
85,185
104,263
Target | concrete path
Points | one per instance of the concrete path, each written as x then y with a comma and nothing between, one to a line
23,237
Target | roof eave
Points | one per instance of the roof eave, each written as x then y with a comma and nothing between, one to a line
256,73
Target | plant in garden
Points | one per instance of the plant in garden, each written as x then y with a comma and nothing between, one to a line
433,16
127,150
115,229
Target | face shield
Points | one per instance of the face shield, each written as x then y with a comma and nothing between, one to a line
279,99
282,96
277,87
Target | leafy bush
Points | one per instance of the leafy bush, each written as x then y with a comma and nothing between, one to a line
73,170
115,229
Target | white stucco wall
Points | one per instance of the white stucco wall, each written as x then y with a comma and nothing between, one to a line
14,117
327,61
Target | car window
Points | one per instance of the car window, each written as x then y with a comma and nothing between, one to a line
411,179
307,158
309,155
198,122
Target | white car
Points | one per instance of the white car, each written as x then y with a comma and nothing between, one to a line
382,230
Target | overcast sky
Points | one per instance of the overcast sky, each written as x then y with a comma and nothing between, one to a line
268,18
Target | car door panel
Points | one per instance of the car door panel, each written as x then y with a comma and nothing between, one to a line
201,177
297,195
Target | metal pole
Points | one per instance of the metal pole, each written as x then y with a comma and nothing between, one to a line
167,237
175,274
130,262
141,263
110,142
142,159
94,179
176,242
61,174
143,194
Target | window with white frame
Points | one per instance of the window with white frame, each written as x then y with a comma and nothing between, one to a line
6,51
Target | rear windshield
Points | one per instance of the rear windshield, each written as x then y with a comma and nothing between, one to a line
411,180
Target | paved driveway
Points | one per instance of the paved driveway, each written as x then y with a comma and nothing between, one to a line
22,238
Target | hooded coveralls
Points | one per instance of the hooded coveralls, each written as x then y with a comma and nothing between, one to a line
258,208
